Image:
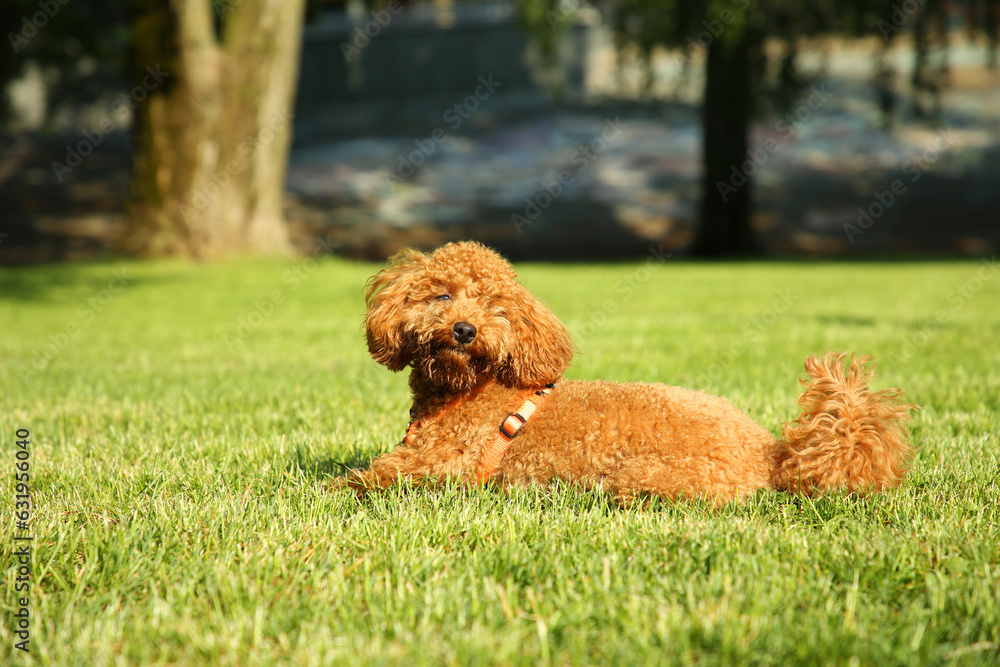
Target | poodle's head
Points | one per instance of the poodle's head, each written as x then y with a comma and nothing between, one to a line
458,314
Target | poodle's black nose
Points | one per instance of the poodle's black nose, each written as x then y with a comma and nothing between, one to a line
464,332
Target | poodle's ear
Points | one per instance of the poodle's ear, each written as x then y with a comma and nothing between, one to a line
539,348
388,341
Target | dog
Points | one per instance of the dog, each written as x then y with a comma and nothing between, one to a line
490,404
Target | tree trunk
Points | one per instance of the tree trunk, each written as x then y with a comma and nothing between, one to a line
212,125
724,225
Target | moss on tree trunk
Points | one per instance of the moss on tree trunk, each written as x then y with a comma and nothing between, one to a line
212,136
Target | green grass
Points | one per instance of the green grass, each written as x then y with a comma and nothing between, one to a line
179,478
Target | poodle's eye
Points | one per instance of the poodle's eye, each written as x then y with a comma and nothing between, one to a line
443,297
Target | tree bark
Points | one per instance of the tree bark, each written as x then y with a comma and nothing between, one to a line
213,131
726,199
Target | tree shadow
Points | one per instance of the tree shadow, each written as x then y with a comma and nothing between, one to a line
327,468
69,281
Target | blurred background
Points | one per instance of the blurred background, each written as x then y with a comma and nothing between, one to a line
550,129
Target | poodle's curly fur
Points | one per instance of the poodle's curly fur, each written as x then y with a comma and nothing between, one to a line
478,343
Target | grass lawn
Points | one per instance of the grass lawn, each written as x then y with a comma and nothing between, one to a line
185,420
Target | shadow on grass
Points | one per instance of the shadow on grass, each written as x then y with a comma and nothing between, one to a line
766,507
328,468
70,281
846,320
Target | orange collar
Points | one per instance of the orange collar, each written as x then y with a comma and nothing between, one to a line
509,427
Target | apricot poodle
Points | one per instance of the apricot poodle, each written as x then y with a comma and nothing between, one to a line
489,404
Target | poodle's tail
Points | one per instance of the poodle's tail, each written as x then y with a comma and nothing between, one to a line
848,436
